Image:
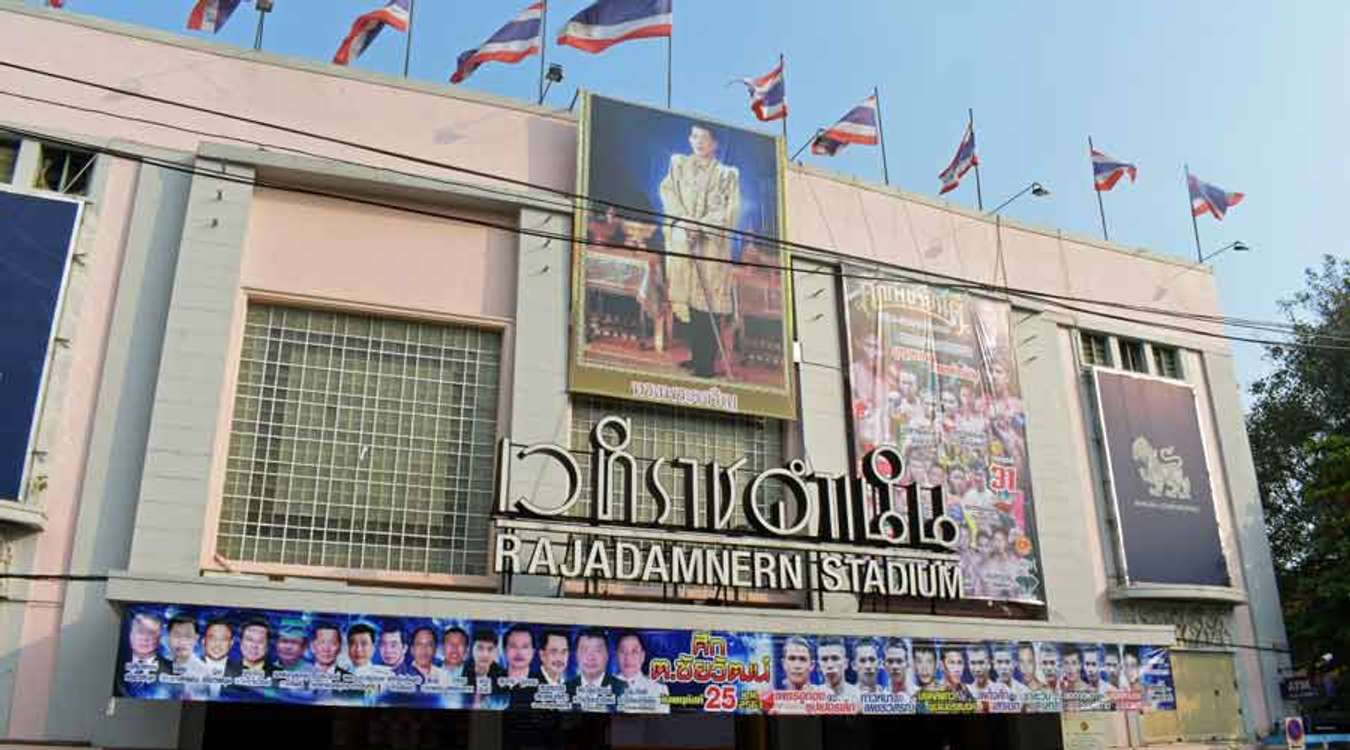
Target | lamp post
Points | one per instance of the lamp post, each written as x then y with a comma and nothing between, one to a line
1237,246
264,7
1035,188
554,75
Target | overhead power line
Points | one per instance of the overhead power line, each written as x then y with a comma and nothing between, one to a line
568,238
955,281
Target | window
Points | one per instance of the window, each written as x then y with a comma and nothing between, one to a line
1095,349
361,443
1132,356
64,170
1166,363
9,156
671,432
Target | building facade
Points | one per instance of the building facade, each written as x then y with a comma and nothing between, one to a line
306,345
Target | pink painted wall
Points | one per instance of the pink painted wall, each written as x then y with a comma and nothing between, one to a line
338,251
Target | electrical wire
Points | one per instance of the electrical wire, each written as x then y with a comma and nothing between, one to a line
955,281
568,238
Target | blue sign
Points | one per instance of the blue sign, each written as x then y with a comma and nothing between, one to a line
193,653
35,236
1160,478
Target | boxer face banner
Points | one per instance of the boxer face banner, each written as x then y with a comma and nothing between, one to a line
194,653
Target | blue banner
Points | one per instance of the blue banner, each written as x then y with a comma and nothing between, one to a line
35,236
192,653
1164,503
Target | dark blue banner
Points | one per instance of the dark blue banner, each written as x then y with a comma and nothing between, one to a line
35,235
190,653
1164,501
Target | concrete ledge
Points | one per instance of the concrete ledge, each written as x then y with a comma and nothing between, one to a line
1174,592
25,517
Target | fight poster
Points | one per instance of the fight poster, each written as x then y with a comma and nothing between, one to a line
934,372
195,653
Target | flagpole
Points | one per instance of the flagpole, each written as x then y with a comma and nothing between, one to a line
1190,206
783,77
881,136
669,54
407,47
979,194
543,42
1101,207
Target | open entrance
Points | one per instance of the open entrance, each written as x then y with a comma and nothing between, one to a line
235,726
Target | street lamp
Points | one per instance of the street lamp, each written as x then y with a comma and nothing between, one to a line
1036,189
1237,246
554,75
264,7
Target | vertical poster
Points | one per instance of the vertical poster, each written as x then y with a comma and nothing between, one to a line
1169,532
678,296
933,372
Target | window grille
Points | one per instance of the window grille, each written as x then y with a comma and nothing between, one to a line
1166,363
361,442
64,170
1132,356
9,157
671,432
1095,349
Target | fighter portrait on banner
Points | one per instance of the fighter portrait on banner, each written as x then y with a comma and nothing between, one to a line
933,372
678,288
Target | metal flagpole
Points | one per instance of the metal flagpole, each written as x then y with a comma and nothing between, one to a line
1101,207
543,42
809,141
407,47
881,136
783,77
1190,206
669,53
979,194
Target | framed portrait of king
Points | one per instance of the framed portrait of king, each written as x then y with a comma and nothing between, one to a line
679,290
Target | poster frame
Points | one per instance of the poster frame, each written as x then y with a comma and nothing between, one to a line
600,380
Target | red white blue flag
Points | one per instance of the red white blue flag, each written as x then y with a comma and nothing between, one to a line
208,15
768,94
1107,171
1211,199
609,22
367,26
518,39
858,126
961,163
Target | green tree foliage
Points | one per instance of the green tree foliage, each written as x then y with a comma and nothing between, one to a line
1300,432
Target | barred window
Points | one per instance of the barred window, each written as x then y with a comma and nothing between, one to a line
1095,349
671,432
9,156
1166,363
1132,356
361,443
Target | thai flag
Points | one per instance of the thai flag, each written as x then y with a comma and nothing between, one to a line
395,13
1211,199
209,15
608,22
1106,171
961,163
768,94
858,126
518,39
